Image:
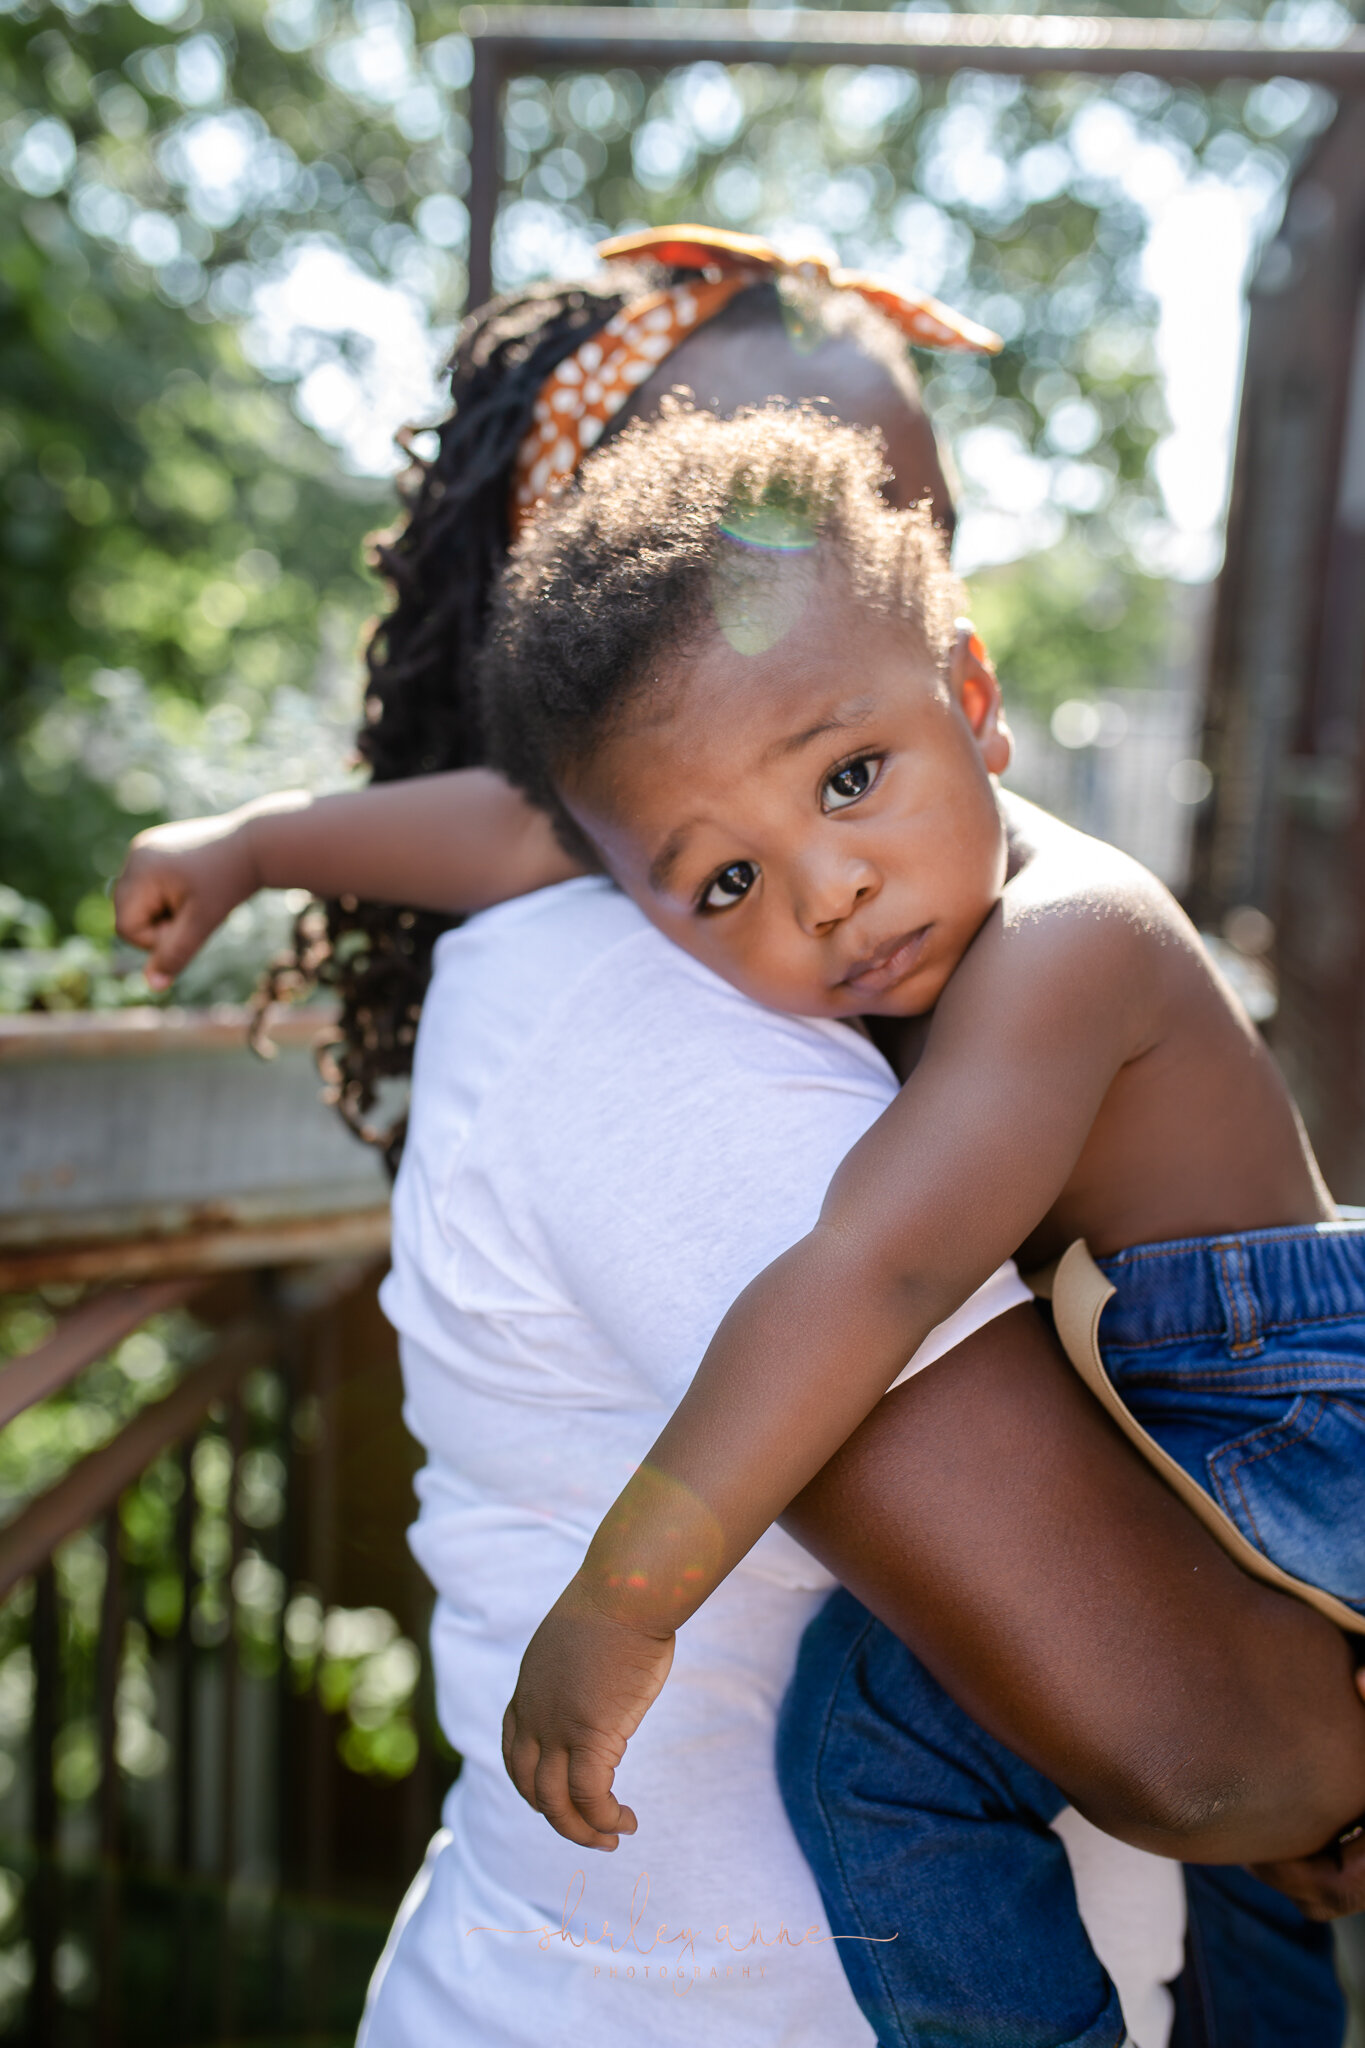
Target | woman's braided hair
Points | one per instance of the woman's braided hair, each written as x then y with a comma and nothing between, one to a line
421,708
442,562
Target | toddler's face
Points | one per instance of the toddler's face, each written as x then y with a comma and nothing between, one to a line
815,820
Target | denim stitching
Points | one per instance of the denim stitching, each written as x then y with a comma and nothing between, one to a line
1232,1264
1248,1379
1243,1271
1230,1304
1297,1233
835,1855
1287,1436
1156,1343
1351,1315
1246,1310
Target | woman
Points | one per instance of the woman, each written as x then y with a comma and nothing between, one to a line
1276,1731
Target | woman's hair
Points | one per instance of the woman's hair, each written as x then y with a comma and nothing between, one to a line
442,562
687,527
421,711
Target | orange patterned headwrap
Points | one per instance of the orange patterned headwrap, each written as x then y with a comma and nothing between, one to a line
591,385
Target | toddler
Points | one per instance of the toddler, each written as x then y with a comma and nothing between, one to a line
733,673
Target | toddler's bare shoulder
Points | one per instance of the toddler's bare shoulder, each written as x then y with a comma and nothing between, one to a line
1084,912
1083,940
1070,879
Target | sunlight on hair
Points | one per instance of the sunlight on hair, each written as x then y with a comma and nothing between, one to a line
686,526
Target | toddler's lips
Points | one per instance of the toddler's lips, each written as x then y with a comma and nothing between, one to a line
879,971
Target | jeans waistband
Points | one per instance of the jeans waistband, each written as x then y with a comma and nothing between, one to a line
1236,1289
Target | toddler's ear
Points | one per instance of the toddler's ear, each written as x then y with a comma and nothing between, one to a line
974,687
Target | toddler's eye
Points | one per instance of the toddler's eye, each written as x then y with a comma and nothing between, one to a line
730,885
848,783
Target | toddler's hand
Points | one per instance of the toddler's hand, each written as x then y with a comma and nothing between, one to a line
1332,1884
586,1683
1328,1886
178,884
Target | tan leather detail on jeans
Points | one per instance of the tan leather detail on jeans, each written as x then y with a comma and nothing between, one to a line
1079,1292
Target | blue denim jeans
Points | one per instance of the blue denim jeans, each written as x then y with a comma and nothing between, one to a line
932,1846
1245,1358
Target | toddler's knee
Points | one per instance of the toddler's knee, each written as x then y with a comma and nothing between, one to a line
1193,1808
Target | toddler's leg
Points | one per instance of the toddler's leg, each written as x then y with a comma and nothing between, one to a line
1257,1974
920,1826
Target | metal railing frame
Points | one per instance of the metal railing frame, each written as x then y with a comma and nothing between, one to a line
509,41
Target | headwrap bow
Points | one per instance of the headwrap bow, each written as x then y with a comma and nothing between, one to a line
591,385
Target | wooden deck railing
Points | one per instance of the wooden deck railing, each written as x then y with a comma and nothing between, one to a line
222,1749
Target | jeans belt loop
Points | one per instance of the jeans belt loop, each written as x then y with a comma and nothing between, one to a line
1238,1297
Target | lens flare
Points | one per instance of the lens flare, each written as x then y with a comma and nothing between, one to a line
770,529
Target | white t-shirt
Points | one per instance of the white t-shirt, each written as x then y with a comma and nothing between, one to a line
606,1144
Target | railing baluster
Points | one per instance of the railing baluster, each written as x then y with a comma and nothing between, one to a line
184,1667
287,1707
324,1363
185,1746
108,1669
228,1773
237,1444
42,1899
486,168
109,1660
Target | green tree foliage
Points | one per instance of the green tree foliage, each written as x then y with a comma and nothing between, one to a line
177,548
1023,204
1061,625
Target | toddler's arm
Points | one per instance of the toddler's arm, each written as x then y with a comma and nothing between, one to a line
456,842
962,1166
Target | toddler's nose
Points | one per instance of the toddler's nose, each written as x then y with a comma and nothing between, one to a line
830,888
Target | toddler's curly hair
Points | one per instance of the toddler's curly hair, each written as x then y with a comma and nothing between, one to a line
676,531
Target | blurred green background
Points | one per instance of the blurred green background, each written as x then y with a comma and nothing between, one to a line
231,240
